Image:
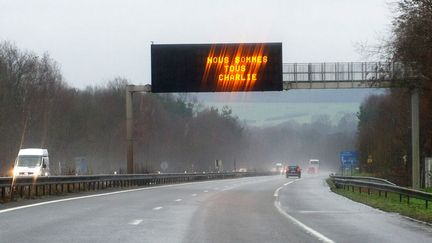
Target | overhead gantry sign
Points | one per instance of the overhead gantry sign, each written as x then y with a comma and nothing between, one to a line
216,67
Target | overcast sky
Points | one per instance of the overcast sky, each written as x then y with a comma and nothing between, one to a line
97,40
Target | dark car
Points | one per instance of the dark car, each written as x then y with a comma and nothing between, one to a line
293,170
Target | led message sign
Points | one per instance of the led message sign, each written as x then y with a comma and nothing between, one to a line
216,67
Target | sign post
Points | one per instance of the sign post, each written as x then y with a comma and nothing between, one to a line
428,172
415,139
218,165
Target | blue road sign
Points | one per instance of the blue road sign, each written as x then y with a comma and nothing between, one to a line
349,158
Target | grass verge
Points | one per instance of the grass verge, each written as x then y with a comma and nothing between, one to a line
415,209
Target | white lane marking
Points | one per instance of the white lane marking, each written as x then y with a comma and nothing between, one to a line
205,191
328,211
136,222
276,193
216,188
99,195
194,195
289,182
178,200
157,208
309,230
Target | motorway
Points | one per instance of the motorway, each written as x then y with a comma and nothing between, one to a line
255,209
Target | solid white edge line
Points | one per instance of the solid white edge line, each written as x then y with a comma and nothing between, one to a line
309,230
99,195
276,193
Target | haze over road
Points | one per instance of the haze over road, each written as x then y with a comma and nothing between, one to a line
259,209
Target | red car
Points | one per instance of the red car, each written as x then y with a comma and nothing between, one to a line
293,170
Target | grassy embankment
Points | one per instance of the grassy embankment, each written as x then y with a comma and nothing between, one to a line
415,209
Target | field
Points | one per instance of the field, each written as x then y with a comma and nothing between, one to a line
268,114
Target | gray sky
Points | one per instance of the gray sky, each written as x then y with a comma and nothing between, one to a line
97,40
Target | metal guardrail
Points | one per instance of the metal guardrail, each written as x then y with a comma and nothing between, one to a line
32,187
379,185
364,178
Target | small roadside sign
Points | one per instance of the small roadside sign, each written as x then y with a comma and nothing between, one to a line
370,160
349,159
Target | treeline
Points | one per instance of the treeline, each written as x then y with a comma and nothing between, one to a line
384,121
179,132
384,136
38,109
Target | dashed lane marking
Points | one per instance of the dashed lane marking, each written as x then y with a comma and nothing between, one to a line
136,222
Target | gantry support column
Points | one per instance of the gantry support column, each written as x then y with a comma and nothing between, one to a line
415,139
130,89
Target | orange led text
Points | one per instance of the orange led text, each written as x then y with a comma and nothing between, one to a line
235,69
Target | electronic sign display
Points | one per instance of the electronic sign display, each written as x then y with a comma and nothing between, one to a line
216,67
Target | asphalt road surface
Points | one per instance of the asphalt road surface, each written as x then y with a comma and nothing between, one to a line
259,209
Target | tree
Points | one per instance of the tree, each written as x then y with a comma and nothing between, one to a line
412,39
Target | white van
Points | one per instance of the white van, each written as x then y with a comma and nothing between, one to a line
313,166
32,162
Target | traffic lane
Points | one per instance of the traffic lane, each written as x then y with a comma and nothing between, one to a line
43,199
310,201
245,214
153,214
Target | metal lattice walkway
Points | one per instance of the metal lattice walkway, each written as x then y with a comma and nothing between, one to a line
343,75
